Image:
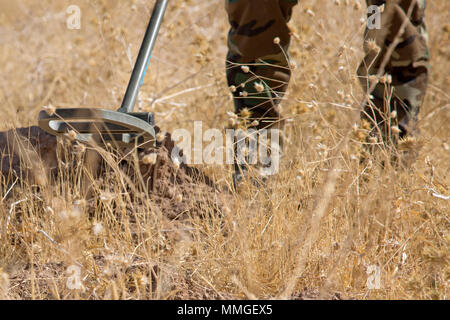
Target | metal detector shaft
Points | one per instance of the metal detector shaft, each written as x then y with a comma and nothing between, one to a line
143,59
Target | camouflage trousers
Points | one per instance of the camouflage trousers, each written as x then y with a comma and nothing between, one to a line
258,66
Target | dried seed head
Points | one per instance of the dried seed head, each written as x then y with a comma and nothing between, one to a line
259,87
373,78
276,40
293,65
408,143
245,113
366,124
150,159
233,89
72,135
79,148
245,69
389,79
176,163
170,192
301,108
361,135
349,99
244,94
395,129
232,114
373,46
50,109
255,123
394,114
160,137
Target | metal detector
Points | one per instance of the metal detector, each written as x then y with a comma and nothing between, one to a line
123,126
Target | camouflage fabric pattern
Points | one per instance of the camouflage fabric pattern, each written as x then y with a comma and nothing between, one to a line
408,65
256,23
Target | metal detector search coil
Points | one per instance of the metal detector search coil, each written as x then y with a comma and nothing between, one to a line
100,125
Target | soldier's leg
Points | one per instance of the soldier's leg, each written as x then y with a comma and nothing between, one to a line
257,64
408,65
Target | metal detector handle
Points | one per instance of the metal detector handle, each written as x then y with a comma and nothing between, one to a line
143,59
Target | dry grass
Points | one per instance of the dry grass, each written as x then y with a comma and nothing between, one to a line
314,229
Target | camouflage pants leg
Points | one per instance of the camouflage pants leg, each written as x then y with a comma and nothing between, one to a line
403,89
257,62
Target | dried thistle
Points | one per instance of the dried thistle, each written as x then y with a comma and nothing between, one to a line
150,159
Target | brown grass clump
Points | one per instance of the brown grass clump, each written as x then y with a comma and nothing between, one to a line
82,223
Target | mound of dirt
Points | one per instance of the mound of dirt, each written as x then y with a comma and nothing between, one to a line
177,189
15,145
